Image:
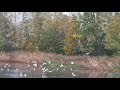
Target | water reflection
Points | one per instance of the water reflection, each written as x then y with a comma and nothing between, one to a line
27,71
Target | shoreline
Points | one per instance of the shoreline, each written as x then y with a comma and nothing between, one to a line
95,63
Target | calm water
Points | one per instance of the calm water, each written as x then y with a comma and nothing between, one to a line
8,70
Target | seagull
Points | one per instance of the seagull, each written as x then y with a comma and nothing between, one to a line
4,66
71,69
64,69
33,62
94,65
2,69
17,69
25,75
34,69
73,74
61,65
72,62
57,69
28,65
49,62
8,69
49,71
8,65
44,64
87,53
35,65
44,70
21,74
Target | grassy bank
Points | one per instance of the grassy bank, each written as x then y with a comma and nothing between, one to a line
92,63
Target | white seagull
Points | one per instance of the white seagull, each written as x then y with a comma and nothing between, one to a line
49,71
8,69
34,69
72,62
49,62
8,65
61,65
28,65
94,65
25,75
64,69
44,64
21,74
35,64
73,74
17,69
44,69
4,66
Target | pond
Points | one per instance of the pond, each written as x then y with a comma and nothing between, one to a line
12,70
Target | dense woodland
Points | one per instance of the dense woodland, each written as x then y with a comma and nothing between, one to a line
79,33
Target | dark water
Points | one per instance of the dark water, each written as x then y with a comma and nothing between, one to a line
27,71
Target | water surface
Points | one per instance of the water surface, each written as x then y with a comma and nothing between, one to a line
8,70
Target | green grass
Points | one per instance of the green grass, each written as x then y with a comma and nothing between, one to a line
116,68
56,64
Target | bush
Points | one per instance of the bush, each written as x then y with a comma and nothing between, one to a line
51,41
7,47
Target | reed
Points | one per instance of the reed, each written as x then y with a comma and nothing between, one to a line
96,63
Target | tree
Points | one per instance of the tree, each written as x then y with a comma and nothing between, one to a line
5,27
73,34
52,35
93,27
113,35
89,30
